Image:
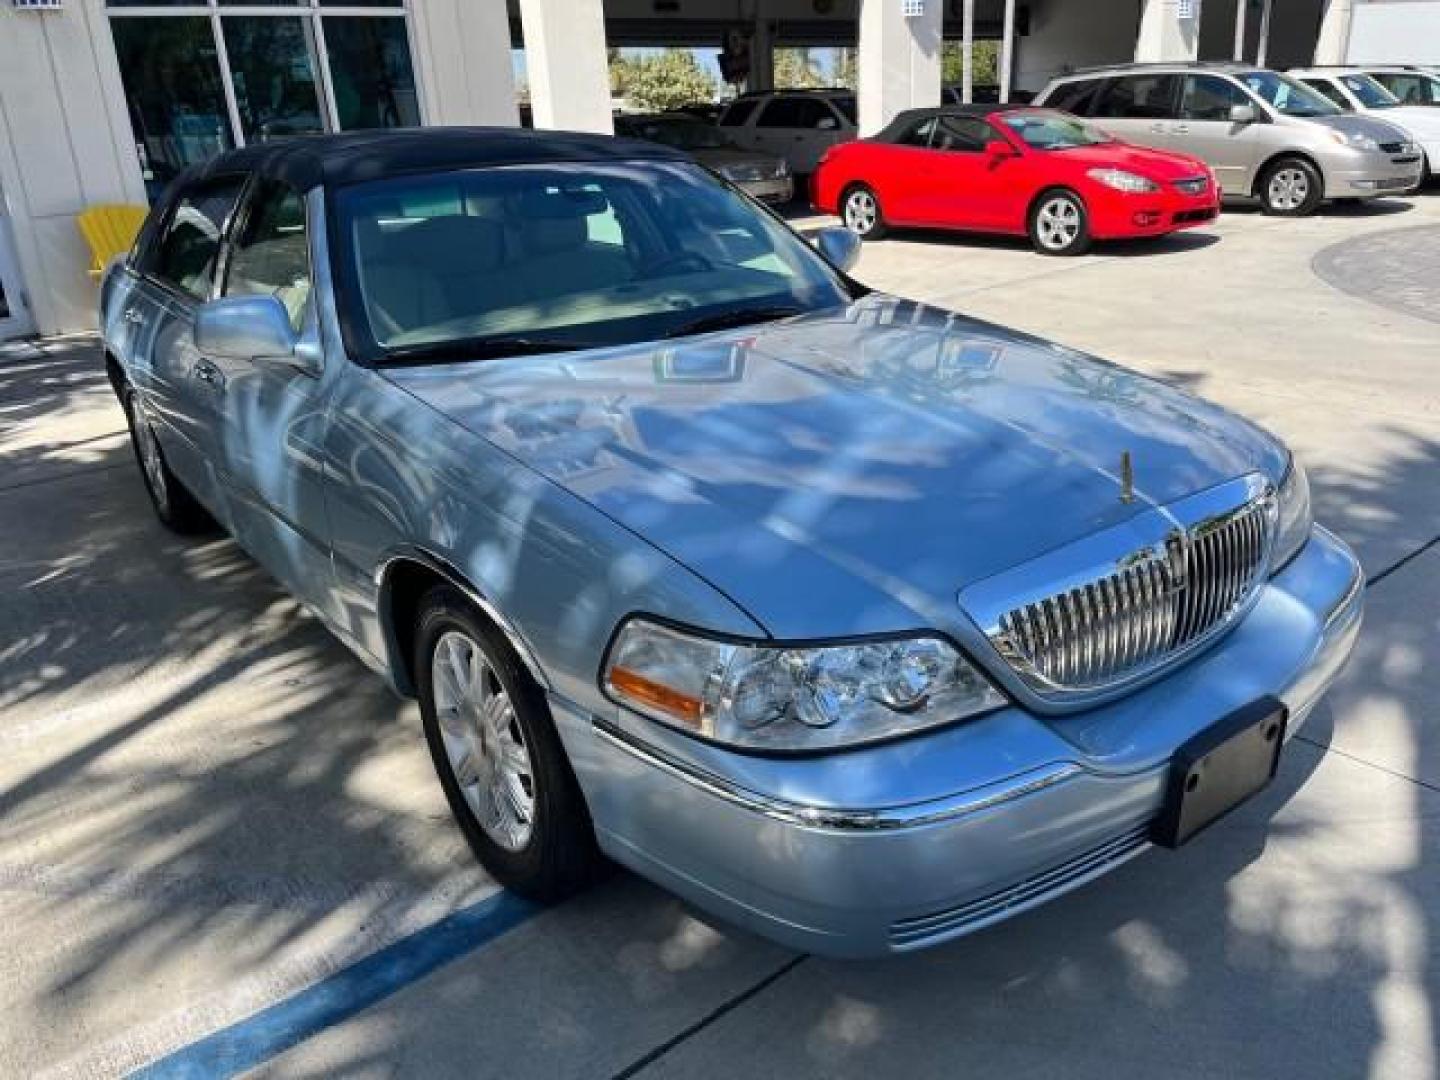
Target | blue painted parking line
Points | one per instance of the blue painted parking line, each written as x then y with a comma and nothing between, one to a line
272,1031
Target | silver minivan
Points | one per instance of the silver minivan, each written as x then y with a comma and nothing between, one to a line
1265,135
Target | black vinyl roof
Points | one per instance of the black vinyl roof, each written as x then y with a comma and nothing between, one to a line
904,121
335,160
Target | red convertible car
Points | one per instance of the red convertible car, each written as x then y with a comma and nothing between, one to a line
1012,169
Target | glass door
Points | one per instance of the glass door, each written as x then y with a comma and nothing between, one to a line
14,318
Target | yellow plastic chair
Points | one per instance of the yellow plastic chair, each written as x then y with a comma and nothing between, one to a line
110,230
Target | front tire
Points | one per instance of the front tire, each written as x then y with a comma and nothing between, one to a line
498,756
860,210
1291,187
177,509
1059,224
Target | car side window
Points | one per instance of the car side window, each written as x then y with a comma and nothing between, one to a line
272,256
738,112
965,134
189,248
1331,91
1143,97
1207,97
919,134
1074,97
781,112
1410,89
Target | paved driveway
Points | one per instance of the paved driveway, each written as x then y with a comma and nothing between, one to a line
222,847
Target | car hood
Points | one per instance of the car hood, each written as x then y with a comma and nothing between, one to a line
1380,130
1422,121
849,471
1153,164
730,157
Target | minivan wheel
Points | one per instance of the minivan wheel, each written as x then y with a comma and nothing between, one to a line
176,508
1059,224
860,210
498,756
1291,187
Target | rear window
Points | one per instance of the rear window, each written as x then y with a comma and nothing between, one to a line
1074,97
737,113
189,248
1144,97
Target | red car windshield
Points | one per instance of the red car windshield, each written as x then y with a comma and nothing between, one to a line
1053,130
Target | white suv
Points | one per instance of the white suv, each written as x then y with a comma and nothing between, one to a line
797,125
1358,90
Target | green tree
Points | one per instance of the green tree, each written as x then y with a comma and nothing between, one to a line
796,69
986,58
661,81
847,69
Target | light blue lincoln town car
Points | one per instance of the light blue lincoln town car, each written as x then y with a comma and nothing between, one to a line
854,621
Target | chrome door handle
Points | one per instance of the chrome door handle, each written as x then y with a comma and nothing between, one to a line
1180,129
1157,127
133,315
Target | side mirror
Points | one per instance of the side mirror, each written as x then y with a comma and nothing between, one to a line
827,123
840,246
249,328
1243,114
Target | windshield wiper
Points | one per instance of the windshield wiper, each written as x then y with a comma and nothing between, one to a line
483,348
726,320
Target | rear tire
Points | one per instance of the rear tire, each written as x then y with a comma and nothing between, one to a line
860,211
498,755
1059,224
177,509
1291,187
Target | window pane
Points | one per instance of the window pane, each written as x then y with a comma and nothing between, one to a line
399,4
738,112
370,72
1209,98
272,65
173,94
1149,97
186,254
271,257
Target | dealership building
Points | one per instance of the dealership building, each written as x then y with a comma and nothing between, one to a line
102,101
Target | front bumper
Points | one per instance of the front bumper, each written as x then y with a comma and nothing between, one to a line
1151,215
1372,173
858,854
779,189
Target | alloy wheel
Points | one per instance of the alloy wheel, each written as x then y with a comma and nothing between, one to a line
861,212
1058,223
484,742
150,459
1288,189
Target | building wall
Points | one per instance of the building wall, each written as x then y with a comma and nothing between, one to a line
1396,31
64,144
1065,35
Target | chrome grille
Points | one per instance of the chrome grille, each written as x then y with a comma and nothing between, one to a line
1196,186
1160,601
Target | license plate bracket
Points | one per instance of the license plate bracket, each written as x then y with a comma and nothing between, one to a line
1219,769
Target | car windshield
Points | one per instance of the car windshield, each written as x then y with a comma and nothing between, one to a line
1053,130
1369,92
523,258
680,133
1287,95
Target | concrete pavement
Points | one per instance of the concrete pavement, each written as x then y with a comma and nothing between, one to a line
208,807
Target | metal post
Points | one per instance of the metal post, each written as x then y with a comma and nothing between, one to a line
1007,51
1240,6
967,53
1264,46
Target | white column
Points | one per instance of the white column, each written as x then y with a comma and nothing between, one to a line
899,62
1333,44
566,64
1169,31
967,52
1007,51
1240,12
1264,46
462,59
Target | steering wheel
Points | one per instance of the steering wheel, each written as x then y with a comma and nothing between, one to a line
680,261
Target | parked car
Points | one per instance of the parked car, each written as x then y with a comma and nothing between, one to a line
764,176
707,111
1411,85
1265,135
852,620
1012,169
798,125
1354,91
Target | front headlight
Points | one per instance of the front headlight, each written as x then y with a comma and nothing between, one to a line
789,698
1120,180
1354,140
1295,519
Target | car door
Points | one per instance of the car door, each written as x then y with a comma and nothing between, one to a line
965,187
273,410
178,276
1139,108
896,171
1204,128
